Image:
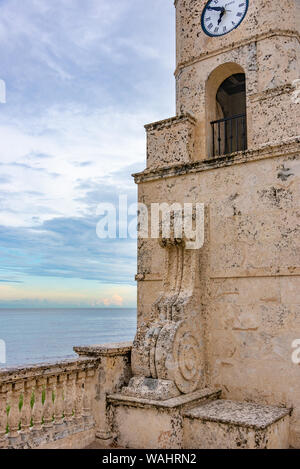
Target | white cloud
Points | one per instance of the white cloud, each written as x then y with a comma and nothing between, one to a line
115,300
44,187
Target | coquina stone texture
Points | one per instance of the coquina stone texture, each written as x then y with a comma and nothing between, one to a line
212,364
243,299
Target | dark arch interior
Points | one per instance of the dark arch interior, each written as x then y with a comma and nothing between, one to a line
230,128
231,95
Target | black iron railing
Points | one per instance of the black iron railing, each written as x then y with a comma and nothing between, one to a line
229,135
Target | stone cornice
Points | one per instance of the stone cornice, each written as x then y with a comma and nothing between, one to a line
271,93
111,350
287,148
235,45
185,400
236,272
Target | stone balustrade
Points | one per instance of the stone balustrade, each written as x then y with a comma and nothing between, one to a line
59,405
41,403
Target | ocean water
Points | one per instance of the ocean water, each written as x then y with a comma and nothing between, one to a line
46,335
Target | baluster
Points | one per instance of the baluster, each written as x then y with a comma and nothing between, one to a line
8,404
231,135
26,412
14,413
38,408
49,402
219,138
70,397
3,415
79,395
59,400
213,135
244,133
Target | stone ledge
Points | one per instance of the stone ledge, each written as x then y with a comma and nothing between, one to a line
272,150
104,350
271,92
255,272
170,121
149,388
42,370
235,272
241,414
155,277
176,402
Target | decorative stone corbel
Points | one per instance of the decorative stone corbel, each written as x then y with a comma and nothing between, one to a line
167,355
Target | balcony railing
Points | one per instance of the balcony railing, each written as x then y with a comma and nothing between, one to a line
229,135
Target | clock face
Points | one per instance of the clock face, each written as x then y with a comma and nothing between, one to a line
219,17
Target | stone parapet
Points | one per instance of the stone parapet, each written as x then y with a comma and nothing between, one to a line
147,423
42,404
114,373
63,404
170,141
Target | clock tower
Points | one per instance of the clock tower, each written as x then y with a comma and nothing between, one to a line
260,43
214,361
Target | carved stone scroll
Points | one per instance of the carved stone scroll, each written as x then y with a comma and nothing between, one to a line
169,348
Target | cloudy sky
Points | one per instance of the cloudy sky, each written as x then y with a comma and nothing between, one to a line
82,79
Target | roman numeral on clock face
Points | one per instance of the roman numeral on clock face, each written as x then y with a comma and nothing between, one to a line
220,17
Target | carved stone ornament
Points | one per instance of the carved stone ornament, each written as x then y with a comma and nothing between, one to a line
169,348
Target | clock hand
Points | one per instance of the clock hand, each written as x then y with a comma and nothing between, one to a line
221,16
216,8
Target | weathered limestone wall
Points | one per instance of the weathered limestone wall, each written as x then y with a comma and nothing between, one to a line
263,16
250,268
42,405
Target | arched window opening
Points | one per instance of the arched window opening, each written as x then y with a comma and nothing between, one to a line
229,129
